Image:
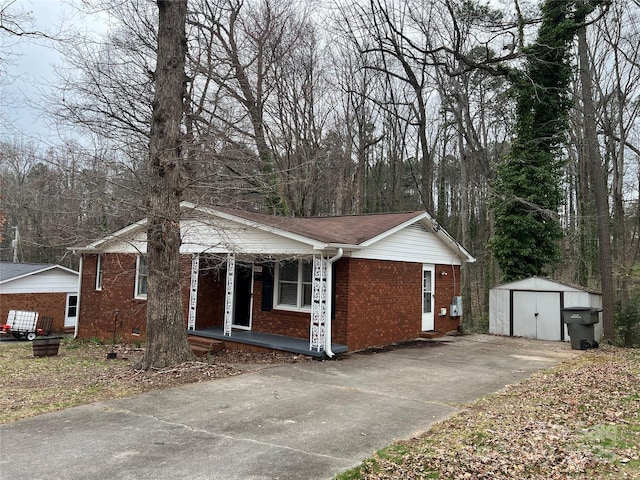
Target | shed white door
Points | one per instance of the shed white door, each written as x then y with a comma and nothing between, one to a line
427,298
536,315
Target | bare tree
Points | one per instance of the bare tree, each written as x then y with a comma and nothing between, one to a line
166,333
600,192
615,59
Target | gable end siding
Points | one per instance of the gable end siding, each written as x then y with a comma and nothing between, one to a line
50,281
411,244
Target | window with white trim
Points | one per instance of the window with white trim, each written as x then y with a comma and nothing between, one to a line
141,277
99,270
294,281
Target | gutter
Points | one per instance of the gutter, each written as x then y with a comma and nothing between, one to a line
327,320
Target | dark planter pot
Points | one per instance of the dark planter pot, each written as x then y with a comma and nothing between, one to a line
46,346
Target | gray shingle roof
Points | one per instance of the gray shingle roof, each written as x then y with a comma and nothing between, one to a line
10,270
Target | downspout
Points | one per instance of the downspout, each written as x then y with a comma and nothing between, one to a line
75,332
329,301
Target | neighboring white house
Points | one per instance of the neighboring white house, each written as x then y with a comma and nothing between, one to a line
49,289
532,308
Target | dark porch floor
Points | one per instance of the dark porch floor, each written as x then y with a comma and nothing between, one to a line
267,340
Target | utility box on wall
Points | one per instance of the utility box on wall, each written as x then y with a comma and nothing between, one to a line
456,307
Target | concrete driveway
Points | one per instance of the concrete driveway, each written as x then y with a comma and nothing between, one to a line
301,421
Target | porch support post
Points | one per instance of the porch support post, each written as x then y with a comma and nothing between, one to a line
318,304
228,295
193,292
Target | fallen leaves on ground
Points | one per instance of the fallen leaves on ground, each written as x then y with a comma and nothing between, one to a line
81,373
579,420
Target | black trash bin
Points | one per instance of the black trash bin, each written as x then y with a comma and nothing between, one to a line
580,322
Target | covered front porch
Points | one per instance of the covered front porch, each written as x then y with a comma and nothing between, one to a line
233,299
266,340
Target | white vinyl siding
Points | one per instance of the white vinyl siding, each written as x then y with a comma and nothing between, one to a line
227,236
223,236
293,285
55,280
411,244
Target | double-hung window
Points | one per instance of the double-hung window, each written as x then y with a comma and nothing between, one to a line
294,284
141,277
99,270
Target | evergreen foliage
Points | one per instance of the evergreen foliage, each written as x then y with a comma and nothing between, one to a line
527,189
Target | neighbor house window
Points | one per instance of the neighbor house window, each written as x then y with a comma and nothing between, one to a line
294,283
99,269
141,277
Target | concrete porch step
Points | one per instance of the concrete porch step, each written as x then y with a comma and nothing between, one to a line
432,334
202,346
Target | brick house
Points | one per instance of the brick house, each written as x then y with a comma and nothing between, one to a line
49,289
318,285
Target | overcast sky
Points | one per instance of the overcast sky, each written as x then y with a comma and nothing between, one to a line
30,69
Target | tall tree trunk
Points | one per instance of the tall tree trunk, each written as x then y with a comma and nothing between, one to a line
166,331
600,191
619,217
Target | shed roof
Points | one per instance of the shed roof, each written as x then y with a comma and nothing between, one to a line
542,284
11,271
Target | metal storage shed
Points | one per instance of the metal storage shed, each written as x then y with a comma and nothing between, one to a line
532,308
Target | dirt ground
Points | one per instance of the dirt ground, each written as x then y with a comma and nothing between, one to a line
82,373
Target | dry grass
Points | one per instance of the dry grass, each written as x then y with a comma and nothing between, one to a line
81,373
579,420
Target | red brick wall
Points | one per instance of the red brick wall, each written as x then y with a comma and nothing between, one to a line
446,287
46,304
384,301
280,322
339,328
376,302
98,307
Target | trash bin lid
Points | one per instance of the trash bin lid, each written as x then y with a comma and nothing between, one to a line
581,309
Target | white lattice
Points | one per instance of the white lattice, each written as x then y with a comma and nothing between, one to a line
318,304
228,302
193,292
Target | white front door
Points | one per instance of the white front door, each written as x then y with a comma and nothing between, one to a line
71,311
427,298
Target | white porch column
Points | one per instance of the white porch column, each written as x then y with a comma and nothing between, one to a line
318,304
193,292
228,295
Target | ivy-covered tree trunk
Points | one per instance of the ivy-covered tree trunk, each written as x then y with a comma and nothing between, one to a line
166,331
527,190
